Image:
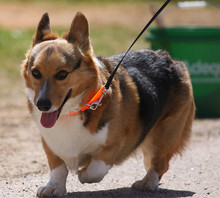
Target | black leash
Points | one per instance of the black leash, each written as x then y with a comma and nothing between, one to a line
107,85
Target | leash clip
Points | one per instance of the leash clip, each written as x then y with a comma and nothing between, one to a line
93,106
94,103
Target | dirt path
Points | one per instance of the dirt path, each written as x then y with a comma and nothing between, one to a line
21,15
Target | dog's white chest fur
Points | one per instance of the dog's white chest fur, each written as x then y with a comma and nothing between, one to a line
69,139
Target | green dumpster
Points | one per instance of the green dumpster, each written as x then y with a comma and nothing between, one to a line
199,48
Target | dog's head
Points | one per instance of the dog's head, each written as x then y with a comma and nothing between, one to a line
58,70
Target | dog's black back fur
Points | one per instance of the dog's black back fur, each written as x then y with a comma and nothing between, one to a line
154,75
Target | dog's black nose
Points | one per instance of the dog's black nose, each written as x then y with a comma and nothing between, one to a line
44,104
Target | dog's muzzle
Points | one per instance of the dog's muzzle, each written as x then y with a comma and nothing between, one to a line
48,119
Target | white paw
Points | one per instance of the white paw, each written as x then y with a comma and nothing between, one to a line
148,183
51,190
144,186
85,178
94,173
57,184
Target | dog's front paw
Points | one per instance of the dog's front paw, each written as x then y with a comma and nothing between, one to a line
85,177
94,173
51,190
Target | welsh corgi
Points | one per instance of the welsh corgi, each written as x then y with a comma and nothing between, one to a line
149,106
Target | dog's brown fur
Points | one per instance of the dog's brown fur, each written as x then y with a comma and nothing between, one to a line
120,107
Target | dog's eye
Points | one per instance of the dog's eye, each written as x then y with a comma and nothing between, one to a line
61,75
36,73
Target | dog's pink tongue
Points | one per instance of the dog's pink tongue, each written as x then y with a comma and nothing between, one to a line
48,120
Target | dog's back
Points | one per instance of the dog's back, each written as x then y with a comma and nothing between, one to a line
155,74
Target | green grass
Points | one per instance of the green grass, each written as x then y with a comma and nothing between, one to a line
13,44
105,40
112,40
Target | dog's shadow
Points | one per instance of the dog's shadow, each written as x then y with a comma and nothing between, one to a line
128,192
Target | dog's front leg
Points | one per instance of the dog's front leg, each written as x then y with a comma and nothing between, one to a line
99,166
57,183
58,174
94,172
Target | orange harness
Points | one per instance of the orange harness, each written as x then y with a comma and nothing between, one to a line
94,103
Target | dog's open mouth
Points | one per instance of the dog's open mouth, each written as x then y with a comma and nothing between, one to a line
48,120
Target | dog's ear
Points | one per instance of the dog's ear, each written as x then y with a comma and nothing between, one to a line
43,30
79,33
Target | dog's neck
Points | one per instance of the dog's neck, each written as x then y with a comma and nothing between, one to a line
94,102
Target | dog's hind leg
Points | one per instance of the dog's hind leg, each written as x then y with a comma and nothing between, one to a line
168,137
